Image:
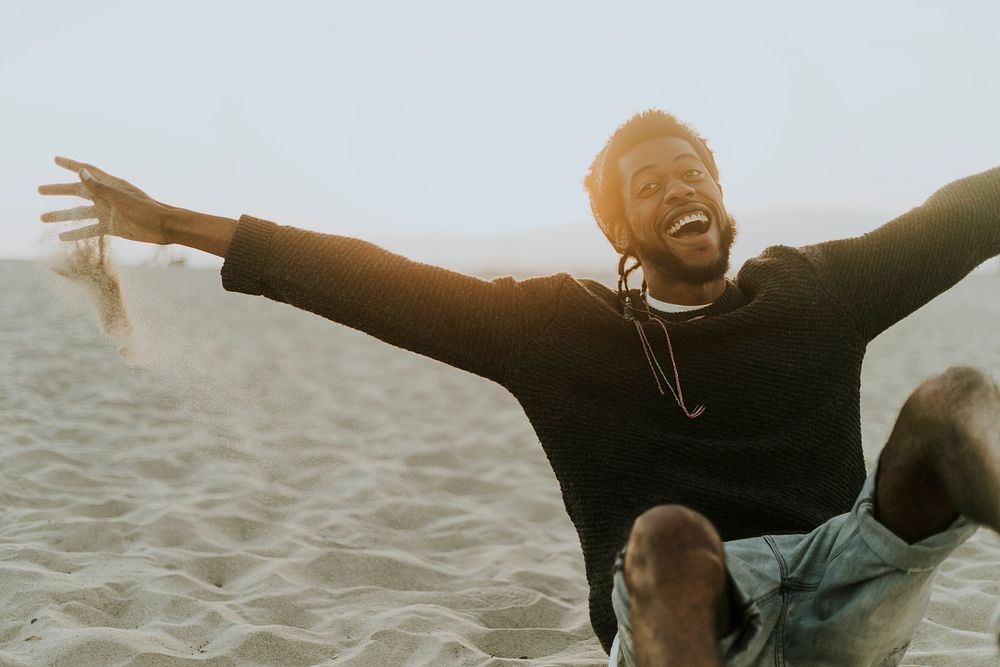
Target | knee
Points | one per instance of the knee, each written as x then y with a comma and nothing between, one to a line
959,382
945,398
671,543
664,527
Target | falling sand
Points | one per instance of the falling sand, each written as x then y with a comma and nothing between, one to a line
88,265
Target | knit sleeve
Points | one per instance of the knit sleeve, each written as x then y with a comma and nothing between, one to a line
884,275
476,325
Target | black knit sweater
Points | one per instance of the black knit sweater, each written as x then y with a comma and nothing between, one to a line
776,360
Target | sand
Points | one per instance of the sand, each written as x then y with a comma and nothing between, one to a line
258,486
87,266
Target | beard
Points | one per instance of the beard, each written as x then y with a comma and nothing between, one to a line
680,270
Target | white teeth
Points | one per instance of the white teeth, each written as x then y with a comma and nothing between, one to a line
683,220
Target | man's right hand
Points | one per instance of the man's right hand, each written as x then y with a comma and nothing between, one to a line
120,208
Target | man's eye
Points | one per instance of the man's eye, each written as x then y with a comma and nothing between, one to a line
692,173
647,189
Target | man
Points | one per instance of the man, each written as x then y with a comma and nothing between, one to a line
692,410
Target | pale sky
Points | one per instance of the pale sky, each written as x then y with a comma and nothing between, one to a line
402,121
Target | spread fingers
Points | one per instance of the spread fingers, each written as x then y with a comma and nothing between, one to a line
88,232
72,164
78,213
74,189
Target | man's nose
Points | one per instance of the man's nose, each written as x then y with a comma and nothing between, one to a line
677,193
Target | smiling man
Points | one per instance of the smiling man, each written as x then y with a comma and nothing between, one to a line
684,244
705,432
852,590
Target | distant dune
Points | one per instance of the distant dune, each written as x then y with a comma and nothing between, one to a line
578,248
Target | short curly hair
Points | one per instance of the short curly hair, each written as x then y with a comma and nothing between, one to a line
603,182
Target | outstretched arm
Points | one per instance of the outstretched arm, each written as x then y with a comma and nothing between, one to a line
477,325
883,276
123,210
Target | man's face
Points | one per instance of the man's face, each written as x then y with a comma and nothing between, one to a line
675,220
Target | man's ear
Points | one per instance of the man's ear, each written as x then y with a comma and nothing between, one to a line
621,239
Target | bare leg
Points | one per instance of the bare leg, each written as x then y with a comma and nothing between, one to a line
943,457
676,576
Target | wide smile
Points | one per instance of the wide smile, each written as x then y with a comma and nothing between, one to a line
689,226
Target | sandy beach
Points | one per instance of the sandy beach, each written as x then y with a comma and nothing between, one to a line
260,486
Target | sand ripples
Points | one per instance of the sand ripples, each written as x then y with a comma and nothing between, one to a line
242,497
264,487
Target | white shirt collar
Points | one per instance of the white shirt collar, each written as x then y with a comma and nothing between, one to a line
665,307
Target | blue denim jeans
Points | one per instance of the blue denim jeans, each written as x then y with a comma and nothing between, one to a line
849,593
